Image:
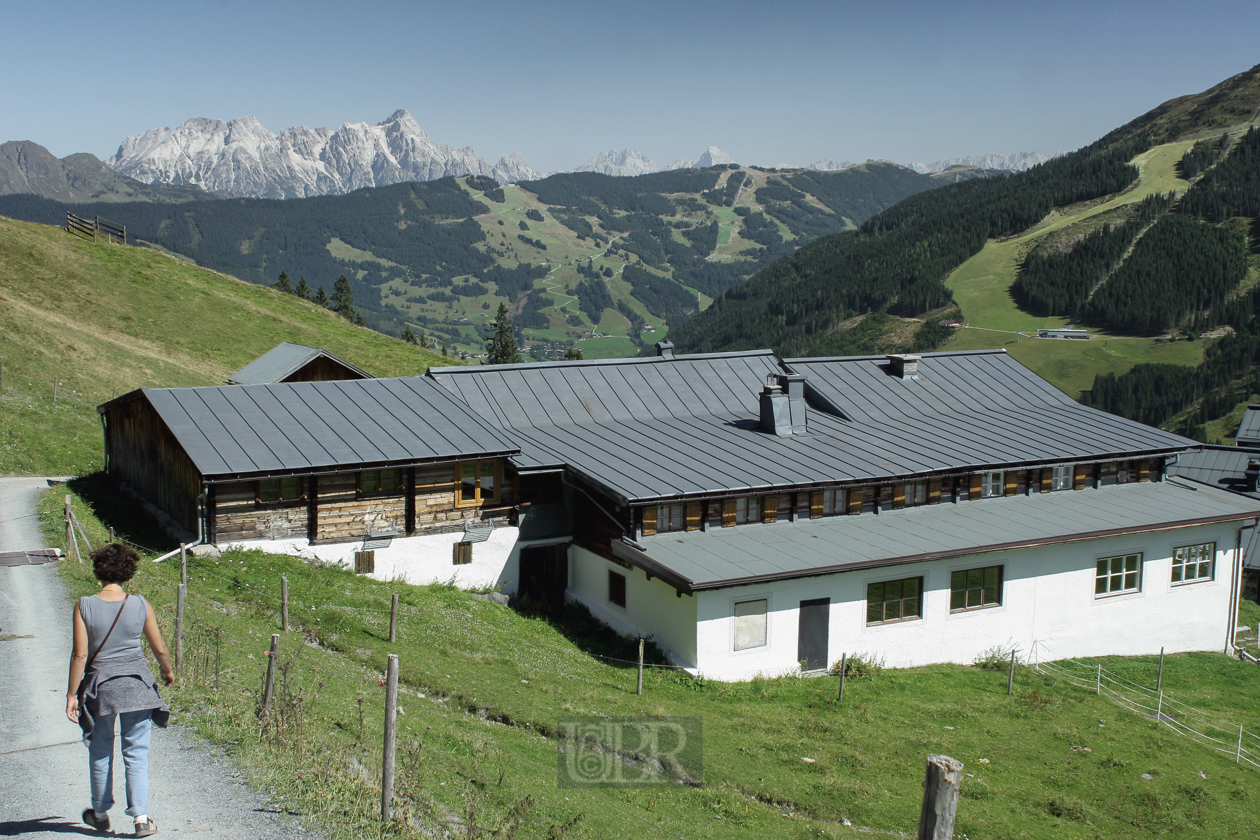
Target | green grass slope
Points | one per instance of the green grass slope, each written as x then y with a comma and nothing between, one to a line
483,686
105,319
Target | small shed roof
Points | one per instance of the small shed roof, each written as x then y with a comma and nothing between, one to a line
1249,430
283,360
242,430
748,554
668,427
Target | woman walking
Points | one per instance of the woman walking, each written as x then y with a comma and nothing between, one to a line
110,683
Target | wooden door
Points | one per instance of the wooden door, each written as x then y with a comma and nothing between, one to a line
545,572
811,647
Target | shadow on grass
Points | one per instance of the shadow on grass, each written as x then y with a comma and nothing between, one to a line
121,511
590,635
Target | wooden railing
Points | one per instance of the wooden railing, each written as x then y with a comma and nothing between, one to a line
95,227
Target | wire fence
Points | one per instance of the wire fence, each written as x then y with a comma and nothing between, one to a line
1199,726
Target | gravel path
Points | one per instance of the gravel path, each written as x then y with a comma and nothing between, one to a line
44,787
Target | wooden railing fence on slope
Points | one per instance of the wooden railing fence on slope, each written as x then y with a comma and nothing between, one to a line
96,227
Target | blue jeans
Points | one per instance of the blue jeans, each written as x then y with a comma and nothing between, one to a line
137,729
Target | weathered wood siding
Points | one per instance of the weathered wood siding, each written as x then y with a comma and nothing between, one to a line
341,515
321,370
237,517
143,453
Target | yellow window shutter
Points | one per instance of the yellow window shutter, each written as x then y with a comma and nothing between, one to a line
934,491
1047,480
770,509
649,520
976,478
1079,477
1144,470
855,501
728,513
692,513
816,504
899,496
1010,484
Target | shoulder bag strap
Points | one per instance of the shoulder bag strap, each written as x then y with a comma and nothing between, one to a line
92,658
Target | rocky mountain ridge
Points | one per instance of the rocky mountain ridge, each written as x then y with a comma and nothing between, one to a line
29,168
244,158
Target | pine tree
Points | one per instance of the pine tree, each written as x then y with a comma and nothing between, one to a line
358,319
408,336
501,348
321,297
424,341
573,354
343,299
303,291
445,350
282,285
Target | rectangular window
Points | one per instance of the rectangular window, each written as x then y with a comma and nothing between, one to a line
750,624
1062,478
747,509
478,483
972,589
894,600
991,485
380,482
916,493
670,517
1118,574
1193,562
833,501
616,588
277,490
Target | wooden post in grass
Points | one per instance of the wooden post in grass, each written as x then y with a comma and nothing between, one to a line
1098,681
844,661
56,384
1010,678
1238,752
271,674
940,798
181,594
284,604
393,618
1159,681
111,533
183,565
391,731
639,688
70,533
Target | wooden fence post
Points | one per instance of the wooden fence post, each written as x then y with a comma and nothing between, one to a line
56,383
391,731
182,593
70,540
1010,679
1098,681
393,618
1159,681
183,565
639,688
111,533
271,674
284,604
940,798
844,661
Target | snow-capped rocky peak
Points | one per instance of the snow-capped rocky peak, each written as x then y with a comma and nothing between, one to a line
713,156
627,162
243,157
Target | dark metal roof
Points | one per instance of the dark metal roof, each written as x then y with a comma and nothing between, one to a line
652,428
1219,466
285,358
1249,430
298,426
761,552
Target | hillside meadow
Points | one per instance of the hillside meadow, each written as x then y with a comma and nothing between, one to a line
483,685
94,320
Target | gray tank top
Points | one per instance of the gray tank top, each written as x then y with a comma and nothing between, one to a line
98,614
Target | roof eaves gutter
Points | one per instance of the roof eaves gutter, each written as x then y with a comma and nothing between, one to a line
228,478
636,557
964,552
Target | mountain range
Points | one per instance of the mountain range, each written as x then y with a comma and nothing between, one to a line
244,158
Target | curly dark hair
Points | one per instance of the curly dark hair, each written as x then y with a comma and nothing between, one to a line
114,563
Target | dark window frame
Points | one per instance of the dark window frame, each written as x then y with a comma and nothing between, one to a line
973,584
280,501
375,491
884,587
616,589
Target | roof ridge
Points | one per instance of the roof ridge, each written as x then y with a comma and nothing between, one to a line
576,363
996,351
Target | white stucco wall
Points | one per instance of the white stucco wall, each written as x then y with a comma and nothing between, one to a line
422,559
653,607
1048,599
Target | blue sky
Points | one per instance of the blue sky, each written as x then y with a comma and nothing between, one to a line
769,83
